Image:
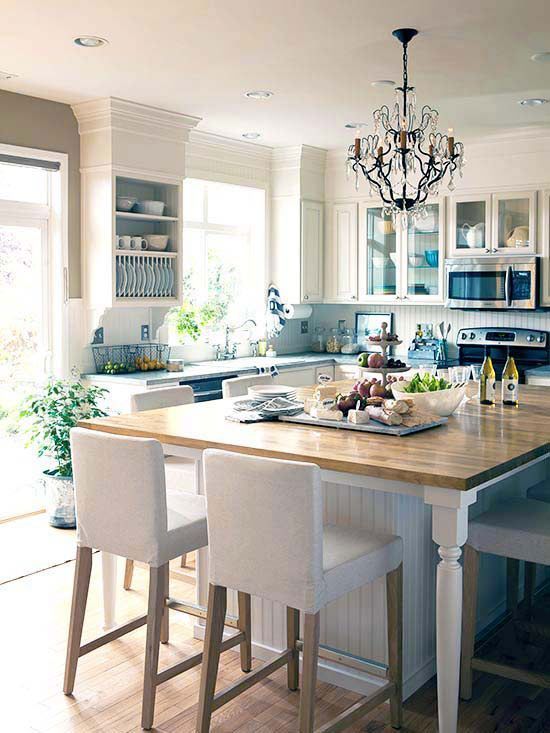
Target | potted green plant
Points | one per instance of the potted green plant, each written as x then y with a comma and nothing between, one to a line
49,417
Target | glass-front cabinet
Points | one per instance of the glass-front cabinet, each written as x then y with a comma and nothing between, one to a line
400,264
488,224
514,222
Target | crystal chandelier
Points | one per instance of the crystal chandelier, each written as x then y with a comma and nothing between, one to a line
406,159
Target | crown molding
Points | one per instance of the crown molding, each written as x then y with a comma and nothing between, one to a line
298,156
203,143
114,113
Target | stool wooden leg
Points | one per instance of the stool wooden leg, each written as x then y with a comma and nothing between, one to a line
217,605
292,636
183,561
469,611
165,626
512,580
309,672
394,593
128,574
83,569
152,644
530,585
245,625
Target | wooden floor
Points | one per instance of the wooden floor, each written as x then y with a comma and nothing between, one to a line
33,626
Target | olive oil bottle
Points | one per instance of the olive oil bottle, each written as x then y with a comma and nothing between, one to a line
487,382
510,382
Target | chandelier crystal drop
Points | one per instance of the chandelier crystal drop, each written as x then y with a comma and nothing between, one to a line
406,159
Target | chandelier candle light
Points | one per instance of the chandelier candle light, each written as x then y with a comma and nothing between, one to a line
406,159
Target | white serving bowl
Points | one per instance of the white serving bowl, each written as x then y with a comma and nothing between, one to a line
416,260
125,203
156,242
153,208
443,402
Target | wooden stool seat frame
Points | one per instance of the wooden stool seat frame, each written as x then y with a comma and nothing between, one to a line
209,700
157,631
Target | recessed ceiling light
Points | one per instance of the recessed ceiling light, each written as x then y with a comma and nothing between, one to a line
543,57
355,125
7,75
251,135
90,41
258,94
534,102
383,83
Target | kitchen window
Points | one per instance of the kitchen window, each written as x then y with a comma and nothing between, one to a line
224,253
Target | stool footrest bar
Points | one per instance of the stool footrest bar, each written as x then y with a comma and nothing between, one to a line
358,710
256,675
195,659
112,635
519,674
198,611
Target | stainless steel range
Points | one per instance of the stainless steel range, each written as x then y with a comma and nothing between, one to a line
530,348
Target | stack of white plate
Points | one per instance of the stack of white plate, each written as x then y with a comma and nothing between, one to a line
268,392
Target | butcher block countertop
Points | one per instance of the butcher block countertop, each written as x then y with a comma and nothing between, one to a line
477,444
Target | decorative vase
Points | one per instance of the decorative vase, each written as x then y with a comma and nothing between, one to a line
59,500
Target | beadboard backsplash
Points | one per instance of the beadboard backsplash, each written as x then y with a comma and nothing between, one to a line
405,319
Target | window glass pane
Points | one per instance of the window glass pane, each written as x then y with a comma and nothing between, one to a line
193,199
228,276
227,204
470,225
513,223
21,183
381,253
423,254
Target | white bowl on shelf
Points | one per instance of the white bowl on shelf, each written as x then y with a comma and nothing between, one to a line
156,242
125,203
416,260
153,208
443,402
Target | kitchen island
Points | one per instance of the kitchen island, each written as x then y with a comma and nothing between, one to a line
420,486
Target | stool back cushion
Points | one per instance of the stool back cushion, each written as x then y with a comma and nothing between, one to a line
155,399
238,387
265,527
120,494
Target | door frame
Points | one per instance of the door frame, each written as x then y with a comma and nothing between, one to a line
57,215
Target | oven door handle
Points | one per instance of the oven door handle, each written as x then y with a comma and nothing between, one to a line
508,285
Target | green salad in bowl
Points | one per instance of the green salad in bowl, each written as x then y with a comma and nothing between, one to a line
430,394
426,383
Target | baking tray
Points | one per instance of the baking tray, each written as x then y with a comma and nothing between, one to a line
370,427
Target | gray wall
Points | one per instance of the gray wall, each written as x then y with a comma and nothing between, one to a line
39,123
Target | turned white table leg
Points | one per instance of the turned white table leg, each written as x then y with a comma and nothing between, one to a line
450,532
109,569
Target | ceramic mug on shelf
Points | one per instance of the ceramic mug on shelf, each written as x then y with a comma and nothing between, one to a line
124,241
139,243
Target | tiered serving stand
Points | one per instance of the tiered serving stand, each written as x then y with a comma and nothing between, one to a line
384,345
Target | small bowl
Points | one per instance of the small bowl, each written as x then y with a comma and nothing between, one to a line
156,242
153,208
416,260
443,402
432,257
125,203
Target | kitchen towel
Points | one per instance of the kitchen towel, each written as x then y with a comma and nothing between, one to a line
275,316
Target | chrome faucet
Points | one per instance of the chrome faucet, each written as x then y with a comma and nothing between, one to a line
230,352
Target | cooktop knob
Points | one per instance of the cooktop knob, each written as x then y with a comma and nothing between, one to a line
530,338
472,336
540,339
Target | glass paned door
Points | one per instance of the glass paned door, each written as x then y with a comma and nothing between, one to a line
514,223
423,255
24,355
380,264
470,226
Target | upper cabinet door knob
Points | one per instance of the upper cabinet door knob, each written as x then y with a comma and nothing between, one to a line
306,297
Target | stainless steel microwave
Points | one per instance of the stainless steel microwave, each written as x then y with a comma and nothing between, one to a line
492,282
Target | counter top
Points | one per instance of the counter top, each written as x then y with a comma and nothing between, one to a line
543,371
476,445
206,369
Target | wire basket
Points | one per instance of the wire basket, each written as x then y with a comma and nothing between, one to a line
128,358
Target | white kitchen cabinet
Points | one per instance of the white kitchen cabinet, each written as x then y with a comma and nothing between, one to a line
396,265
302,377
341,254
311,264
327,370
544,249
346,371
501,223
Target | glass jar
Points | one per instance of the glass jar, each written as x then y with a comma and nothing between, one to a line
319,339
334,343
349,343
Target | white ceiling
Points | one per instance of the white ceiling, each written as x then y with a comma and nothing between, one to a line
471,61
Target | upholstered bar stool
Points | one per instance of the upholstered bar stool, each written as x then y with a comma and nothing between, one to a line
123,508
540,492
518,530
179,472
275,547
238,386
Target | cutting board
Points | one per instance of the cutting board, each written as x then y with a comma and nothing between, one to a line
371,427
